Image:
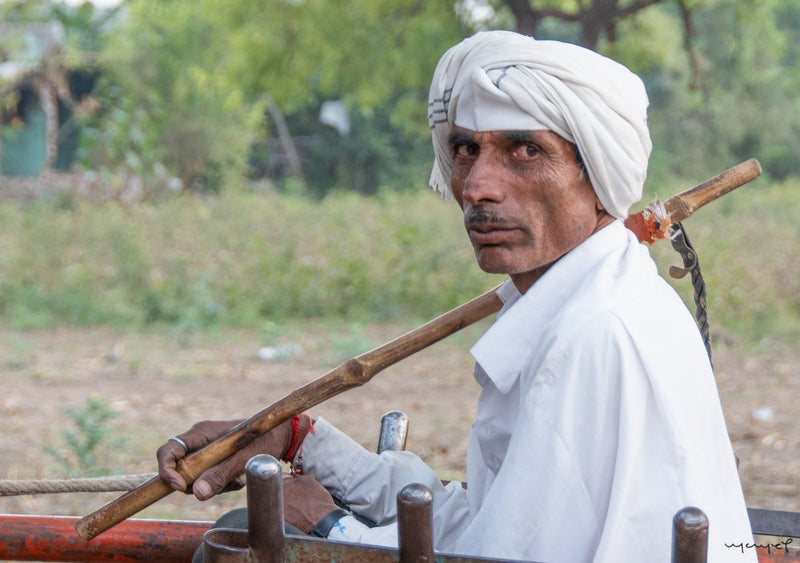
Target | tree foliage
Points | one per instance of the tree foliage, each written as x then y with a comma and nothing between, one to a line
193,78
186,83
721,74
167,109
594,19
753,78
372,54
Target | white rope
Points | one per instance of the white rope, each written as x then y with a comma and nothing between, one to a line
14,487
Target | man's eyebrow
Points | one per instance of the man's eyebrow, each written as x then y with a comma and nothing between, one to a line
459,138
520,136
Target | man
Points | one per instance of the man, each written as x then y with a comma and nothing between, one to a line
598,417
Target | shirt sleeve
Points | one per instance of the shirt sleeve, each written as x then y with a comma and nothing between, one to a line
368,483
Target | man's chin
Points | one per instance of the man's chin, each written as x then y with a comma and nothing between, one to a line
494,260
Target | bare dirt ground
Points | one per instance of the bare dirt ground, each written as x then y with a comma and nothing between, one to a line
159,385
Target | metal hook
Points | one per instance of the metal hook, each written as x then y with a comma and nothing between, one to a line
682,246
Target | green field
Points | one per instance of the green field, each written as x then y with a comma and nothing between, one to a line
250,259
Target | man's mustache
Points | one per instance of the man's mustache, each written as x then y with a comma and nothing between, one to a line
481,216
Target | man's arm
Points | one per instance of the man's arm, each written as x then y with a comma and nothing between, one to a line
368,483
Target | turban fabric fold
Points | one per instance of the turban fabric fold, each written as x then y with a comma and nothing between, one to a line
501,80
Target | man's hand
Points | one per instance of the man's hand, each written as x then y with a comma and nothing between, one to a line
222,476
305,502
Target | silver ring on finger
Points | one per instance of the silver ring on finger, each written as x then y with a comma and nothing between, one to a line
181,442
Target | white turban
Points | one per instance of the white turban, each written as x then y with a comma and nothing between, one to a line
500,80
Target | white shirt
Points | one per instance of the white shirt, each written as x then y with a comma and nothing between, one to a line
598,420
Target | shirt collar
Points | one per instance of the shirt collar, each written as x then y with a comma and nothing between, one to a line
504,348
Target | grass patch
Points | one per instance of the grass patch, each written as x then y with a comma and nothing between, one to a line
91,437
748,244
237,260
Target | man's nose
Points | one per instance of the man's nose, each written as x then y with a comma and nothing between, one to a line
483,183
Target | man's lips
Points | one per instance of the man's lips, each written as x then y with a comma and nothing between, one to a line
484,234
486,227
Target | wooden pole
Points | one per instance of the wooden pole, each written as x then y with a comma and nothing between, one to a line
352,373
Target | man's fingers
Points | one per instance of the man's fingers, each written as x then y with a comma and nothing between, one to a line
214,481
175,481
205,432
168,456
176,448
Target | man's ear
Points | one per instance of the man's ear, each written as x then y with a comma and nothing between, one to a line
597,205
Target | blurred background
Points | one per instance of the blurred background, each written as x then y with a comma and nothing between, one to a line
281,115
229,177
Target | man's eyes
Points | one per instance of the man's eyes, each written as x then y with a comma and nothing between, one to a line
526,150
465,149
518,150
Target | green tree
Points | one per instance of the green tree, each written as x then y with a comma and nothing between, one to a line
191,81
167,107
371,54
375,57
753,78
193,84
594,19
733,96
722,74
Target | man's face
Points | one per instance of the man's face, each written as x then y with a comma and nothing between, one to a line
524,200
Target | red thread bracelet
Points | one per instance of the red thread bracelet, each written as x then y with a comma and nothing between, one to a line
289,455
296,444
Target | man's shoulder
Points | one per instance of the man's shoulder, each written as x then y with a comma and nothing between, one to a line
615,316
